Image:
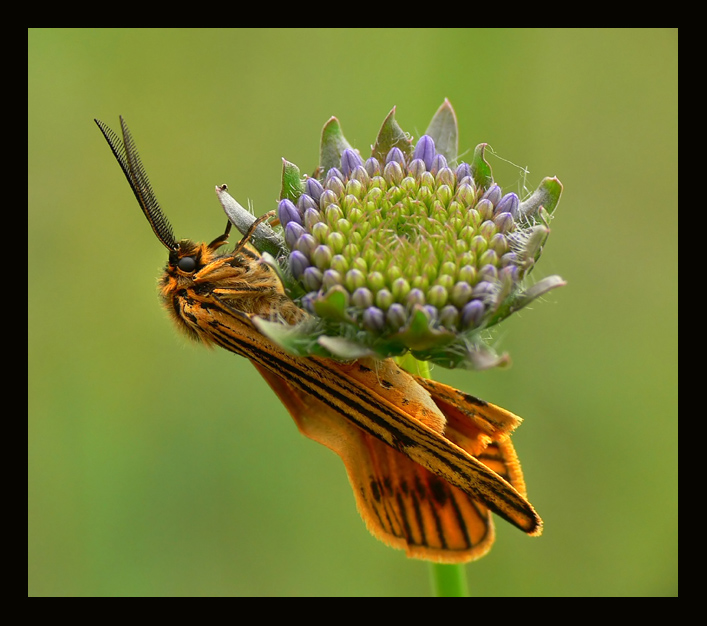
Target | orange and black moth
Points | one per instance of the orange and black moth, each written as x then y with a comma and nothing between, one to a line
428,463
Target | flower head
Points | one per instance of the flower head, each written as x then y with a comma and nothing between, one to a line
409,249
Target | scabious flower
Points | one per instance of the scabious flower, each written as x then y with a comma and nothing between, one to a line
408,249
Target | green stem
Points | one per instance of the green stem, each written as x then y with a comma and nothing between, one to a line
448,581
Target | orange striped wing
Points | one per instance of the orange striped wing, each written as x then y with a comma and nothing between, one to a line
402,503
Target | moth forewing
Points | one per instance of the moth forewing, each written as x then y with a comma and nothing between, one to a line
402,504
372,406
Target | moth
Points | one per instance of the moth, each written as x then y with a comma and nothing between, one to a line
428,463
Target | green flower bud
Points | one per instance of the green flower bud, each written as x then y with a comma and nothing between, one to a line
437,296
354,279
393,173
311,217
362,298
461,294
336,241
384,299
376,281
330,278
328,197
321,257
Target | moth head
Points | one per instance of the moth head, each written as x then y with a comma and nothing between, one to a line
188,258
201,271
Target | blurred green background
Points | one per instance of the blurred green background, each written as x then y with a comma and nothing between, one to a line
160,468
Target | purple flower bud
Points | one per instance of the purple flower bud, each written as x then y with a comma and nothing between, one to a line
438,162
405,249
312,279
417,168
472,314
488,271
314,189
293,231
504,221
287,212
334,172
349,161
484,291
374,319
431,313
509,259
508,204
510,273
306,244
308,301
396,316
396,154
415,296
305,201
449,317
298,263
493,194
463,171
425,150
373,167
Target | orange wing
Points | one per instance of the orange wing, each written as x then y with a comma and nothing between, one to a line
403,504
481,428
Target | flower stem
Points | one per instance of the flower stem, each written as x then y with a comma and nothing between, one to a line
448,581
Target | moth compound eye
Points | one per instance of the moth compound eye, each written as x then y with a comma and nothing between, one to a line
187,264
